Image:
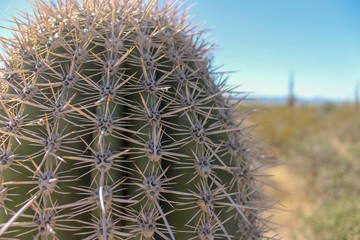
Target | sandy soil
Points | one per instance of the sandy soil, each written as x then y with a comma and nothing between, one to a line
293,199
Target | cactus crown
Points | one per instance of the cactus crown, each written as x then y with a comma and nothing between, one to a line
115,126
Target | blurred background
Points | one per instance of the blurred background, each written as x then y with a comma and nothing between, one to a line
301,60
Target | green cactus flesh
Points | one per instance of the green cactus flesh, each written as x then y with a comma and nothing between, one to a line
114,125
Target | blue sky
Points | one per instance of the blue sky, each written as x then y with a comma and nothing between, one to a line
262,40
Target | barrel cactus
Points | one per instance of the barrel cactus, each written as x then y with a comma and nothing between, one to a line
115,125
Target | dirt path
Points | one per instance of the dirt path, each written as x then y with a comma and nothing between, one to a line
293,198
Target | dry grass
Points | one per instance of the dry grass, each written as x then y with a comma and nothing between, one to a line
321,146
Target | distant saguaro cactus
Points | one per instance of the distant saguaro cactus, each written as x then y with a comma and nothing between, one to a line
114,125
291,96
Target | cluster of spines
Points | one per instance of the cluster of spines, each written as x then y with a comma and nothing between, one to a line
113,112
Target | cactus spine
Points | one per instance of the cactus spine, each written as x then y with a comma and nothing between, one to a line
115,126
